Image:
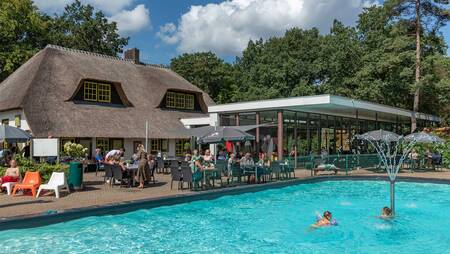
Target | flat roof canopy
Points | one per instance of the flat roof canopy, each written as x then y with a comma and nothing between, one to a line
328,105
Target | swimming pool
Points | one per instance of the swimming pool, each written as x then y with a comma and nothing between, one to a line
271,221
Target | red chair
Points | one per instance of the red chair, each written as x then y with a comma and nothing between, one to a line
31,182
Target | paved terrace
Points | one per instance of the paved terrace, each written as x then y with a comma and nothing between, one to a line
96,193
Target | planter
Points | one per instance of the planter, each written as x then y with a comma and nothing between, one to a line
75,179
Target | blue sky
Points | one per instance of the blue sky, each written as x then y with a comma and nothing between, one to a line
163,29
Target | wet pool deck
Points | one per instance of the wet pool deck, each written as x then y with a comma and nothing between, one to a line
96,193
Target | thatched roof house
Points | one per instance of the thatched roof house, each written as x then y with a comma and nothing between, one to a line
70,93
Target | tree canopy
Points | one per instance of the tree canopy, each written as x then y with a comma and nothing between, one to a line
24,31
373,60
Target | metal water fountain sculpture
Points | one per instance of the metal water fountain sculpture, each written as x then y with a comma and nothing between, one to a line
393,149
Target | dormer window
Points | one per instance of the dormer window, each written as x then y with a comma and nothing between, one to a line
102,93
179,100
97,92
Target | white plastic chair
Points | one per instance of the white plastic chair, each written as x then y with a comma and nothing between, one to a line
9,186
57,181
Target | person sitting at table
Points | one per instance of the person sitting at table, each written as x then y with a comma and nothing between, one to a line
247,160
142,174
187,157
207,157
222,155
12,174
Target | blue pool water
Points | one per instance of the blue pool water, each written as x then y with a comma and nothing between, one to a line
272,221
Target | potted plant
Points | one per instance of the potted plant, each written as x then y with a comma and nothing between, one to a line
77,153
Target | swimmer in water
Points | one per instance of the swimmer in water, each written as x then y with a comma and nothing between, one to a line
325,221
386,213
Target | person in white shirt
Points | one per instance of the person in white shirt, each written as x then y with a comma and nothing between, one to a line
114,154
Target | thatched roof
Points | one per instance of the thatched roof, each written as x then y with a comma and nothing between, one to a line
44,85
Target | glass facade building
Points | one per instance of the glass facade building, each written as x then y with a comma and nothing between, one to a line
314,124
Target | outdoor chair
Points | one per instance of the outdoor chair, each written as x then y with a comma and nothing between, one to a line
176,176
99,166
152,173
9,186
31,181
265,174
108,172
188,178
57,181
221,165
174,165
159,165
236,172
216,175
248,171
185,164
289,170
118,175
275,170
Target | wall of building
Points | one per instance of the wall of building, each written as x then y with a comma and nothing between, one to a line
11,116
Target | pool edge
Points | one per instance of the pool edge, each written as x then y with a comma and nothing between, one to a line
38,220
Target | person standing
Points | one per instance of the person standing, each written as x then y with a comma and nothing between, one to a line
143,171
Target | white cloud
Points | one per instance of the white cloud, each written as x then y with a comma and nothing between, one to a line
129,22
108,6
167,33
226,28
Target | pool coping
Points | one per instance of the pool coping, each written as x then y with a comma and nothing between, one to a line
38,220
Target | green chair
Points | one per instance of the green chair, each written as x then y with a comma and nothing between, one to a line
276,170
215,175
236,173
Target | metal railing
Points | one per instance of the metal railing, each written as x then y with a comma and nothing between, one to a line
347,162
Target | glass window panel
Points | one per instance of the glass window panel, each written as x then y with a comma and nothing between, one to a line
17,121
103,144
104,92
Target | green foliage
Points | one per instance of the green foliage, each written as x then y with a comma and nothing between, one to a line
24,31
80,27
208,72
44,169
444,150
374,61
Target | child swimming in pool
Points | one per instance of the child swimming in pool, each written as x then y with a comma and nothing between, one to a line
324,221
386,213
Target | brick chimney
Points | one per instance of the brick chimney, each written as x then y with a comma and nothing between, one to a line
132,54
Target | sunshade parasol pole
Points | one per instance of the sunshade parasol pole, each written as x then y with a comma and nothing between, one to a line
295,156
215,146
146,135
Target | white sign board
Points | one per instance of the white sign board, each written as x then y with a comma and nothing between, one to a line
45,147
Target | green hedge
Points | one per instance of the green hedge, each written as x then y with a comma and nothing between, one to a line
44,169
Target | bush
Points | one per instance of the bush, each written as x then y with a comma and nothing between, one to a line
44,169
444,150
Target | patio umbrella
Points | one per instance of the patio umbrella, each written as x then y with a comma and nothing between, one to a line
13,135
222,134
379,135
423,137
